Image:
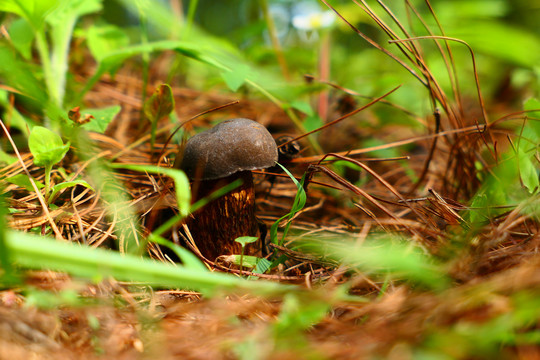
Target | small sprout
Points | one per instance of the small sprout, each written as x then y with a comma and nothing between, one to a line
244,240
48,149
159,105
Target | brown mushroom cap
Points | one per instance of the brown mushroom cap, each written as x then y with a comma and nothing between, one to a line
231,146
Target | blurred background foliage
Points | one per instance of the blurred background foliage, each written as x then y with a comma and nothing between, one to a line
503,33
234,38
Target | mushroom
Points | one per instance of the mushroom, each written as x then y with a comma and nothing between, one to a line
215,158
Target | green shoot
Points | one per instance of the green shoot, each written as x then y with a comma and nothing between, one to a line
244,240
159,105
48,149
298,204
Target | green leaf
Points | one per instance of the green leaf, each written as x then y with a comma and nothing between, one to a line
299,313
5,158
245,261
22,36
298,204
102,118
244,240
67,184
388,256
34,11
20,76
104,40
116,58
262,265
236,77
303,106
532,105
38,252
46,146
23,181
527,171
501,40
68,10
160,104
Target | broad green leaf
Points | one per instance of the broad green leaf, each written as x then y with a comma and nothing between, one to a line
244,240
102,118
527,171
501,40
6,158
67,184
22,36
312,122
20,76
104,40
46,146
303,106
23,181
67,10
34,11
236,77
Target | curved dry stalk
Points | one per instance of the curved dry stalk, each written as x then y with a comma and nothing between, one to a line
473,59
342,117
450,64
468,129
355,189
374,44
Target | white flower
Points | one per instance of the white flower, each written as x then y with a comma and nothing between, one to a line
308,17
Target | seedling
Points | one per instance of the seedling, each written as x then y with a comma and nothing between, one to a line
244,240
48,149
159,105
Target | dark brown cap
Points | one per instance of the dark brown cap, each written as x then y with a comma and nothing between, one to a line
231,146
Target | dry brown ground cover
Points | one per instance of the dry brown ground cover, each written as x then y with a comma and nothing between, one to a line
487,309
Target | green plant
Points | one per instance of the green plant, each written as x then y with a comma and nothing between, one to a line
244,240
48,149
159,105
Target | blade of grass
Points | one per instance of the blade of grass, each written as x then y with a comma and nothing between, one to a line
298,204
96,264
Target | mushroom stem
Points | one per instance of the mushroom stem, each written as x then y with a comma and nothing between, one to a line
215,226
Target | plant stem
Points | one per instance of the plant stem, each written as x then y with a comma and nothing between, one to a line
43,51
59,57
48,169
275,40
